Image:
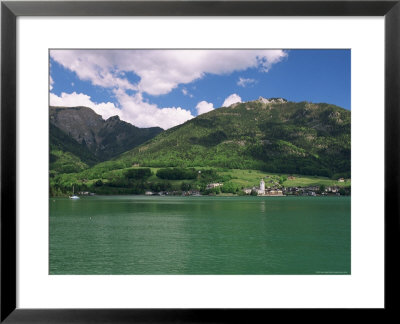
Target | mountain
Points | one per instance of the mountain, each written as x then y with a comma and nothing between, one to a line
66,154
266,134
79,137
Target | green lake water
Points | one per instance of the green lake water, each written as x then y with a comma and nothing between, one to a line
200,235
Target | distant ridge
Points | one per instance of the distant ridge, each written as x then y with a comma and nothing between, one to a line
89,138
266,134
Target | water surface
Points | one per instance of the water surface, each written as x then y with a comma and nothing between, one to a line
200,235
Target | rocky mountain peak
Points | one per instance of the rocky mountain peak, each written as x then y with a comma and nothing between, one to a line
113,118
104,138
271,100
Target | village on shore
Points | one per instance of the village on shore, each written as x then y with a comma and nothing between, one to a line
274,190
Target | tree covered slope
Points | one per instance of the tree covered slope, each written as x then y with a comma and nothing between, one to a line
271,135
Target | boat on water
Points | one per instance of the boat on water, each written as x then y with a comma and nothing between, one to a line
73,194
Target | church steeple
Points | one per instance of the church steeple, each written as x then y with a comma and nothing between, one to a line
262,184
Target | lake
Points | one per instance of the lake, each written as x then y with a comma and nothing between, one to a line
199,235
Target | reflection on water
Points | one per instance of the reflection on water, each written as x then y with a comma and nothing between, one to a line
262,206
200,235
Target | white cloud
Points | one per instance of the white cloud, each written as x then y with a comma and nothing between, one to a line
51,83
160,71
143,114
74,99
133,109
243,82
233,98
96,66
203,107
186,93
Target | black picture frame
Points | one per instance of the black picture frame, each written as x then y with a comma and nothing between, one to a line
10,10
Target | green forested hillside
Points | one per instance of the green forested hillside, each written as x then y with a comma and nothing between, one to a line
283,137
236,146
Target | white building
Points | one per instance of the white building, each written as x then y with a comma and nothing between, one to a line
261,189
262,185
213,185
247,191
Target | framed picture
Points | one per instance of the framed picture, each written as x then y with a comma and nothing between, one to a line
200,158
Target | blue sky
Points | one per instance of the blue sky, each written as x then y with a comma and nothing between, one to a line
167,87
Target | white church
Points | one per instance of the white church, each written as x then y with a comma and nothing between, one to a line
273,192
261,190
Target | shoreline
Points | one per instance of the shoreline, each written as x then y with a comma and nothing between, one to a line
188,196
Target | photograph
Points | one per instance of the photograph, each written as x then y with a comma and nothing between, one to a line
199,161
